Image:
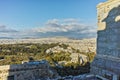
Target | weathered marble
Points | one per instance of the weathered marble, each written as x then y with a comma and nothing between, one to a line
107,61
27,72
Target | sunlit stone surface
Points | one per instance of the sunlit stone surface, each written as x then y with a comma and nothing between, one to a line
107,61
27,71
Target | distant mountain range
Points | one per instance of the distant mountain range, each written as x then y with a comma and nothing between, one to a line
6,38
44,37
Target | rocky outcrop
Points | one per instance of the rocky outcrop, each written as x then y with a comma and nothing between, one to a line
58,49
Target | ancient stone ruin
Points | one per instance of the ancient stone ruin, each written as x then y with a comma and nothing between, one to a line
27,71
107,61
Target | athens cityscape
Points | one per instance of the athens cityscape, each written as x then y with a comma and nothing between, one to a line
59,40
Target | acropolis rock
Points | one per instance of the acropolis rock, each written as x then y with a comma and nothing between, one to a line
107,61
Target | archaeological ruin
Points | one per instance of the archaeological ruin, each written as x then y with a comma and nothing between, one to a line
106,63
107,60
27,71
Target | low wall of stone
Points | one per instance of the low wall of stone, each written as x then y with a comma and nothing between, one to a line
26,72
106,66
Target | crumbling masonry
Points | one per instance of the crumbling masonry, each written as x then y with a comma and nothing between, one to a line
107,61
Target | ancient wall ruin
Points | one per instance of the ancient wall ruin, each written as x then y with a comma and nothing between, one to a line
26,72
107,61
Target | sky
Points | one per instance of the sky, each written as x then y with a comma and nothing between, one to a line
48,18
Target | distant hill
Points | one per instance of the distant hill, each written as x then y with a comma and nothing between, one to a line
6,38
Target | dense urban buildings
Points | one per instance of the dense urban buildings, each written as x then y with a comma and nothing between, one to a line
84,45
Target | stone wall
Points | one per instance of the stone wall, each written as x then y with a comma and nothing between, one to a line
107,61
26,72
103,10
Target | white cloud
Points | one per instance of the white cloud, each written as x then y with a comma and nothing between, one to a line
4,29
57,26
53,21
65,27
71,20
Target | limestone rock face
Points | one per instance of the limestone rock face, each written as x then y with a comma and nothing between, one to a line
107,61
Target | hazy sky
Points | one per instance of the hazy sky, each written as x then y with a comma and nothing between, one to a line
43,18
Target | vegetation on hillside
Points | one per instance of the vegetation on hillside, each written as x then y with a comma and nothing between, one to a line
18,53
